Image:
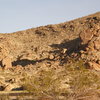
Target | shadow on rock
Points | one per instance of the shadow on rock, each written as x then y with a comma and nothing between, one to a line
71,46
67,49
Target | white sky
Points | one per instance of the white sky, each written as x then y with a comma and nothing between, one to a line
16,15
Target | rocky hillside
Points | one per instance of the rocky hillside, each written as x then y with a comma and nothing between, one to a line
45,42
51,46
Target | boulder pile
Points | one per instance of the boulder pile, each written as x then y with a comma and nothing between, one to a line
91,39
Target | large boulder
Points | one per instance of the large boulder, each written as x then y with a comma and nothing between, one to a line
5,58
6,63
13,87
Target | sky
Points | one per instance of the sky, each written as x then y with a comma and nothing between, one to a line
16,15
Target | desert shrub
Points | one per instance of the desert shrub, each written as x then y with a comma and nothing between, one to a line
72,80
81,76
49,82
83,80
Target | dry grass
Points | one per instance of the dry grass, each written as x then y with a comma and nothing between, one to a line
70,82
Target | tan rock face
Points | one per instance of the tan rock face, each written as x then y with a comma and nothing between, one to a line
6,63
11,87
94,65
92,52
97,43
4,57
86,36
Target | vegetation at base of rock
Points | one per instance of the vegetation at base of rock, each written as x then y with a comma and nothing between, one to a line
70,80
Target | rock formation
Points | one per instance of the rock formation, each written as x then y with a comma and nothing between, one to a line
6,62
41,55
91,39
